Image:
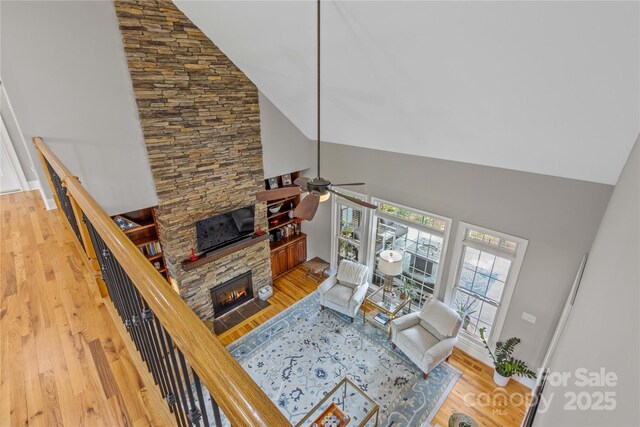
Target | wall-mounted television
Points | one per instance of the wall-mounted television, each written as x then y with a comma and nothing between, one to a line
220,230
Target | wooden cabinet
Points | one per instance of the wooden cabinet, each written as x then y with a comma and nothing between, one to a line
291,250
288,254
279,262
297,253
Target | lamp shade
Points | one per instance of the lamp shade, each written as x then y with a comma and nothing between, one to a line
390,263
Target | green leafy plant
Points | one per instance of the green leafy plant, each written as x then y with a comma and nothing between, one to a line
465,309
408,288
505,364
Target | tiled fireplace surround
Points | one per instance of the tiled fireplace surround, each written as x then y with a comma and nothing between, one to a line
200,119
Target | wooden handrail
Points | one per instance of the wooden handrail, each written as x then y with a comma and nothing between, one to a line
239,397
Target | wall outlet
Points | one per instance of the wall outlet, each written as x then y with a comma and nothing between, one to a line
528,317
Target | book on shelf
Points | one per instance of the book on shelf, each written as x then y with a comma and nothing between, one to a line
382,318
151,249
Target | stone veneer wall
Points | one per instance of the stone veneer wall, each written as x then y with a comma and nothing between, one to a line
201,123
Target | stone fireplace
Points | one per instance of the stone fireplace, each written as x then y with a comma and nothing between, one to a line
232,294
200,120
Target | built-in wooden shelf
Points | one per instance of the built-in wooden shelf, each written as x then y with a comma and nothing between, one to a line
277,202
189,265
287,241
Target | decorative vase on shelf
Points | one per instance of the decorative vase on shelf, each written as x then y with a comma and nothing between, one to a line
499,379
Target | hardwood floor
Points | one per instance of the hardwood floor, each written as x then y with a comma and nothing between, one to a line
62,361
474,394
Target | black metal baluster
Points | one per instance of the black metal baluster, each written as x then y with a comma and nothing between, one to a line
183,397
216,411
193,414
173,399
198,387
146,316
134,314
99,248
65,203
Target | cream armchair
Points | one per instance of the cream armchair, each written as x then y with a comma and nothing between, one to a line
345,291
427,337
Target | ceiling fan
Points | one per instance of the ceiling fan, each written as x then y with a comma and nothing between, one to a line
319,189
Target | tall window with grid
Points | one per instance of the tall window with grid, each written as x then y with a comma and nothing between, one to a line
420,237
486,271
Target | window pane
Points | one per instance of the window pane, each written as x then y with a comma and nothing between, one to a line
474,312
501,269
480,283
347,250
471,257
350,222
485,263
410,215
489,240
495,290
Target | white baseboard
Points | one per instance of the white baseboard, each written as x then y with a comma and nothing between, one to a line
50,204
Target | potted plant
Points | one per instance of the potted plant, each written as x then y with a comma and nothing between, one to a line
465,310
505,364
407,288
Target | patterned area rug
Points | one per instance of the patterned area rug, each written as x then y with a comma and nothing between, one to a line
302,353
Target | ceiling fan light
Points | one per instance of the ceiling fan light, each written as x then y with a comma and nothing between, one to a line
325,197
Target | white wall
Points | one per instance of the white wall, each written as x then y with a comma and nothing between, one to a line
603,328
64,70
499,83
284,148
558,216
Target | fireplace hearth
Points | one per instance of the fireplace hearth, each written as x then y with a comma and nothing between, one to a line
232,294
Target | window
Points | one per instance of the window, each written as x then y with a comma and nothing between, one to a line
349,229
484,271
419,236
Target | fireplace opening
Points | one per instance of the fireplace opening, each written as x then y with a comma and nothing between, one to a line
231,294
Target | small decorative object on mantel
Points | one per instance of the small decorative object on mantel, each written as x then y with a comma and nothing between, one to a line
273,183
286,179
259,232
193,256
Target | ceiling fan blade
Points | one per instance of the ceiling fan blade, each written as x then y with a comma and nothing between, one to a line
354,200
277,193
307,207
349,184
302,182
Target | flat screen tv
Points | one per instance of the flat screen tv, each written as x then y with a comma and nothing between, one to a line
220,230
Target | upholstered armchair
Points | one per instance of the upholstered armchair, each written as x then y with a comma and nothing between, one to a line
345,291
427,337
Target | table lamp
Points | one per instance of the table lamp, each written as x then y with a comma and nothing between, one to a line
390,265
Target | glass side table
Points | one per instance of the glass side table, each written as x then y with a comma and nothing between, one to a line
345,404
381,307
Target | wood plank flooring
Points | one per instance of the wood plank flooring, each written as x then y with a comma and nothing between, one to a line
474,394
62,360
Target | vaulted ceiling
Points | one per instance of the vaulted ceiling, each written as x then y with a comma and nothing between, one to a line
544,87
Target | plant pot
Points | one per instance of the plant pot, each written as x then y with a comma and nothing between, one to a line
403,296
466,322
499,379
